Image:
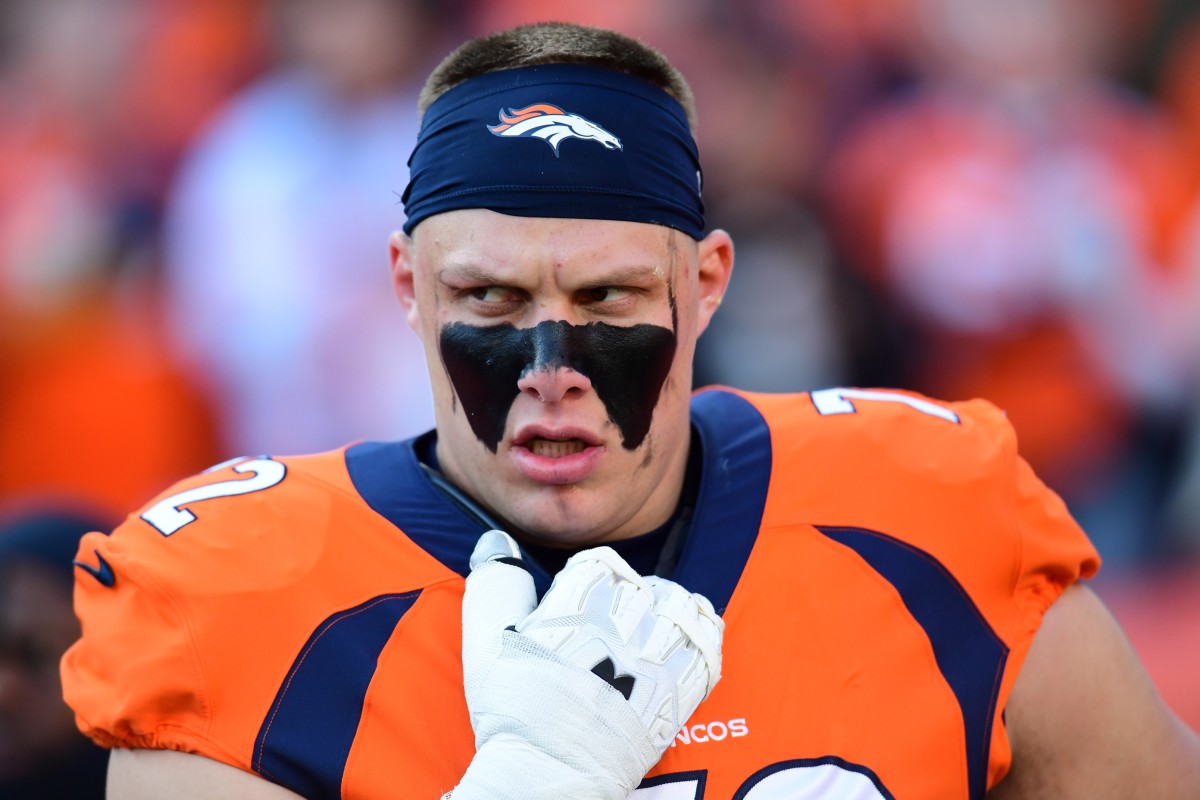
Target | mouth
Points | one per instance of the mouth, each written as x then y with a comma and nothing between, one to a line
556,456
555,441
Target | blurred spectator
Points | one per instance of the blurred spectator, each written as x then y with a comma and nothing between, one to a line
1017,213
1183,508
855,46
1172,73
93,404
1182,525
42,754
783,325
276,237
121,85
650,22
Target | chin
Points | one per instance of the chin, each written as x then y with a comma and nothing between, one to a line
562,525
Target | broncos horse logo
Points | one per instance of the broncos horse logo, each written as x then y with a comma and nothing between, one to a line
552,125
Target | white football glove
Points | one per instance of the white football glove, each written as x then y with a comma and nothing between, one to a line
579,696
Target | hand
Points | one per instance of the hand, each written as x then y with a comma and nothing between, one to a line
578,696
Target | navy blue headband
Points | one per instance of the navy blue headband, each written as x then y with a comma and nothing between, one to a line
558,140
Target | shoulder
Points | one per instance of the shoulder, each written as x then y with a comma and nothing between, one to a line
943,478
292,525
858,427
248,504
198,603
891,461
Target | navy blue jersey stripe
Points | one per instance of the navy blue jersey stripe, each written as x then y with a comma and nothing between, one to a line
733,492
969,654
305,738
389,478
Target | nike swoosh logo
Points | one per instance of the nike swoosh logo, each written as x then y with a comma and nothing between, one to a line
104,573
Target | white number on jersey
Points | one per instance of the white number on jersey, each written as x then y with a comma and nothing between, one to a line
169,515
837,401
805,779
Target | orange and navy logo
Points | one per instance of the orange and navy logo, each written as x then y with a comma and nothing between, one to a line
552,125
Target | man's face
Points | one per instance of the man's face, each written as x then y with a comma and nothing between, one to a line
560,353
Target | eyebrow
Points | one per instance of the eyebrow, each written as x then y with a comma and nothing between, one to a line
475,273
631,274
472,273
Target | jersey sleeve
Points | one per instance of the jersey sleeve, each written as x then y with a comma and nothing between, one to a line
198,610
1054,552
945,480
949,479
182,643
195,608
134,678
1027,546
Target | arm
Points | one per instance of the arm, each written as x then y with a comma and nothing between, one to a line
1084,719
170,775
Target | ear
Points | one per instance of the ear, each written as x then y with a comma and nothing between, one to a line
715,253
400,248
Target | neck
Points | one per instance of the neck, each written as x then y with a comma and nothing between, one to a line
678,487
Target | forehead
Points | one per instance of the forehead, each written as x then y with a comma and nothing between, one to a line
479,240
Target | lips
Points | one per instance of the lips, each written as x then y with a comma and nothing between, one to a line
552,455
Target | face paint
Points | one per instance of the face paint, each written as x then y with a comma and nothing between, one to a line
626,366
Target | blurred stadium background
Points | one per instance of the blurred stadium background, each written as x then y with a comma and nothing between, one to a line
961,197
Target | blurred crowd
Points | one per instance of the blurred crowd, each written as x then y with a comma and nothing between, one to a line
966,198
960,197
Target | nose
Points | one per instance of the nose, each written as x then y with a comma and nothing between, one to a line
553,384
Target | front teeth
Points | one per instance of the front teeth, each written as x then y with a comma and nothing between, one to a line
553,449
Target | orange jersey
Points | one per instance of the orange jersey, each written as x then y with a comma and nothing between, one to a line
881,562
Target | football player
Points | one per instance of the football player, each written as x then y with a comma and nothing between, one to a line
589,582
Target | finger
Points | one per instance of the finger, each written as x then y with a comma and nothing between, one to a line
695,616
588,604
499,594
589,577
611,560
494,546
